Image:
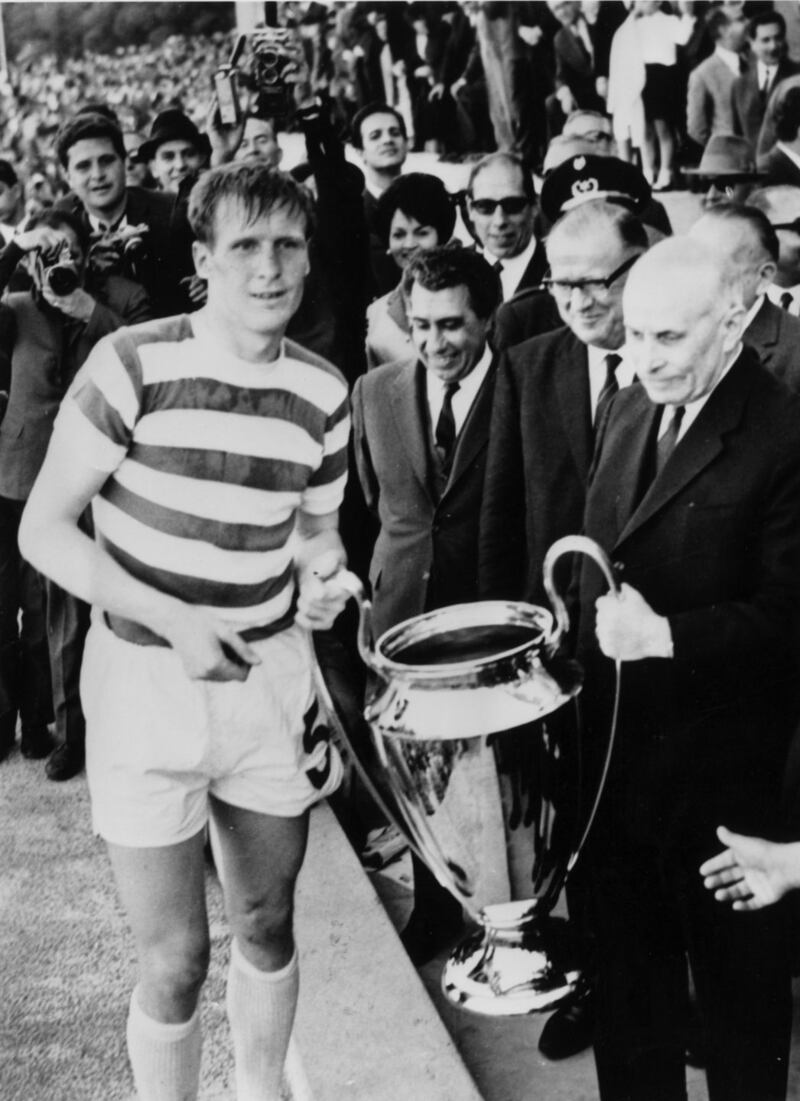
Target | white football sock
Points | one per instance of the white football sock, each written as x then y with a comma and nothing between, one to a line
165,1057
261,1007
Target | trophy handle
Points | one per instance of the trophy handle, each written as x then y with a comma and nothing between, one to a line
582,544
572,544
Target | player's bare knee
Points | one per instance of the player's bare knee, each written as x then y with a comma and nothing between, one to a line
177,970
264,924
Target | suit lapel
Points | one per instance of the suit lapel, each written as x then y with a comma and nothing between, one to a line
634,452
702,443
572,388
409,415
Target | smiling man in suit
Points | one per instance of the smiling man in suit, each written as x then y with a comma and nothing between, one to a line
550,393
695,494
420,431
501,207
745,241
769,65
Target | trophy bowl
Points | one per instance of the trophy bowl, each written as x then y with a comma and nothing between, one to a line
476,758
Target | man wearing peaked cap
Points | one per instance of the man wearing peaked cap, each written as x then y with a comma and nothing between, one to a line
593,177
175,149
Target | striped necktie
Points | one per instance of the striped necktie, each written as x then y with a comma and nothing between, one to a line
610,386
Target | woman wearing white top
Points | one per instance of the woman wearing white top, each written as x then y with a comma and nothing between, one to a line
643,93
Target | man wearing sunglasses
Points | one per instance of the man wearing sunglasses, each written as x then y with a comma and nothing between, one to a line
552,392
501,207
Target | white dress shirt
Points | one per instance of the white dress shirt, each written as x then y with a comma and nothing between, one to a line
790,153
766,75
598,372
775,293
468,388
513,268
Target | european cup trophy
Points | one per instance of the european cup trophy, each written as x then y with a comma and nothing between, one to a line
477,760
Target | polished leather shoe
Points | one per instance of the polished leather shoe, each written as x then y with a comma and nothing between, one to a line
570,1029
424,938
36,744
65,762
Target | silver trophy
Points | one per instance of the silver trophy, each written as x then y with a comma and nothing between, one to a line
476,759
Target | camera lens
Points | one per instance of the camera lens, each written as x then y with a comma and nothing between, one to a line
62,279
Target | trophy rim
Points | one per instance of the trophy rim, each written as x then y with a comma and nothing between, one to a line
479,613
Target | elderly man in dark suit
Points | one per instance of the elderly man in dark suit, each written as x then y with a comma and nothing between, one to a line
695,495
747,243
550,395
420,433
551,391
55,326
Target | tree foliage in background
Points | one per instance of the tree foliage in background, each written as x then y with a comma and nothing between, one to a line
69,29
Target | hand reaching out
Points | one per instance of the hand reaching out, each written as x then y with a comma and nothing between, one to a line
751,873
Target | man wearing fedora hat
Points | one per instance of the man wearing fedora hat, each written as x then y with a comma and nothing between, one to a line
175,149
727,171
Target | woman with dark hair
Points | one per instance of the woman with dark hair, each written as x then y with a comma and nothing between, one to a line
415,212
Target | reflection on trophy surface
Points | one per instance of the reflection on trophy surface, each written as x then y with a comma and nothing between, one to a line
478,760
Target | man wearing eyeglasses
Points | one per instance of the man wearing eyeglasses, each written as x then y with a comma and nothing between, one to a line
501,206
551,394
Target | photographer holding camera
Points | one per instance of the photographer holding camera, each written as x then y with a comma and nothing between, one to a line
331,320
139,234
55,325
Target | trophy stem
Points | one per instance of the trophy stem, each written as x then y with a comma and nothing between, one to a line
522,961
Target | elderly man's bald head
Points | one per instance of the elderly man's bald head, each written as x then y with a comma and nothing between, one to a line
745,242
682,267
683,319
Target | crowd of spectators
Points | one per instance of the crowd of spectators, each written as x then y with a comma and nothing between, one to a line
465,77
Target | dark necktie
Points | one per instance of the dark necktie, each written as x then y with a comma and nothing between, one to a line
445,434
786,300
668,439
610,386
765,87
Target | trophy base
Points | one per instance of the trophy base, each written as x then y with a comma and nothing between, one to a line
519,963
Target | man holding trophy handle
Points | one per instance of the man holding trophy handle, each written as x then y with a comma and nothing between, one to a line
695,494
